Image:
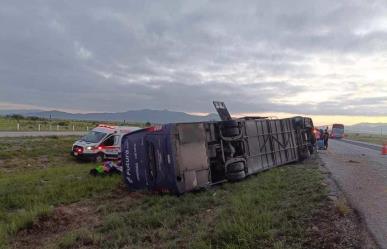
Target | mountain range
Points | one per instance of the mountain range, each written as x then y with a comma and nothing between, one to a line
162,116
18,111
145,115
376,128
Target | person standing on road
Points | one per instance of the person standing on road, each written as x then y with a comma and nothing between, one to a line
326,137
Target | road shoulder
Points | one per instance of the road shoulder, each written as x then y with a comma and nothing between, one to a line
351,220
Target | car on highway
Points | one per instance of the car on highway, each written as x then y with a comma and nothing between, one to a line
103,142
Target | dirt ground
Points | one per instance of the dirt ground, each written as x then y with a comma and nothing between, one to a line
66,218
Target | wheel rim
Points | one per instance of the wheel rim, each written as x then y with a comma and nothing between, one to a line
99,159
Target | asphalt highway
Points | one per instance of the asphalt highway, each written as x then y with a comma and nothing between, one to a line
360,170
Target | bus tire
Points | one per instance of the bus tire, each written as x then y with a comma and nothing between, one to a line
99,158
311,149
236,176
303,155
236,167
230,128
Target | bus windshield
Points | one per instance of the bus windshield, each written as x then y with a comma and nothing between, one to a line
93,137
337,131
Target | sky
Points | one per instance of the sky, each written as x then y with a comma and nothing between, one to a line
322,58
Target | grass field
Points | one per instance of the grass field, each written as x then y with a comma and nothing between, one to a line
48,200
32,153
369,138
37,174
32,124
266,211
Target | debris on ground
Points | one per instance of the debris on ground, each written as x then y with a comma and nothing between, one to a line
108,168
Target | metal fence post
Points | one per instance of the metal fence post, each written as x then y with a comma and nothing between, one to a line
18,126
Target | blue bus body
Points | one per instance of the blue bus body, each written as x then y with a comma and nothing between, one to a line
182,157
147,162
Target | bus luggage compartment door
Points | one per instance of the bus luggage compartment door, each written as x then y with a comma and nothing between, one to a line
284,141
269,143
259,152
191,155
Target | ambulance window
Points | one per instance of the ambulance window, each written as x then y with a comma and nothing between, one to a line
93,137
109,141
116,140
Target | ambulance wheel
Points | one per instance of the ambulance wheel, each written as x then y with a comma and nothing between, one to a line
230,128
236,167
236,176
99,158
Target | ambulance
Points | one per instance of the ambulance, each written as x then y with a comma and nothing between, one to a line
103,142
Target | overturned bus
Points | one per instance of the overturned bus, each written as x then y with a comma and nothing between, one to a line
182,157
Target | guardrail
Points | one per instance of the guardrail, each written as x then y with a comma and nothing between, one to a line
49,127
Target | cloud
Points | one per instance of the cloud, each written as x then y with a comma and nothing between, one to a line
313,57
82,52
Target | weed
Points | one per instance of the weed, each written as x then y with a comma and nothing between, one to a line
342,207
78,238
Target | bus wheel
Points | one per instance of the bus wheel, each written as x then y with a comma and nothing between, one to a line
230,128
236,167
303,155
236,176
311,149
99,158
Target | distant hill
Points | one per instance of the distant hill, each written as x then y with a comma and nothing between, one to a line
18,111
146,115
367,128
